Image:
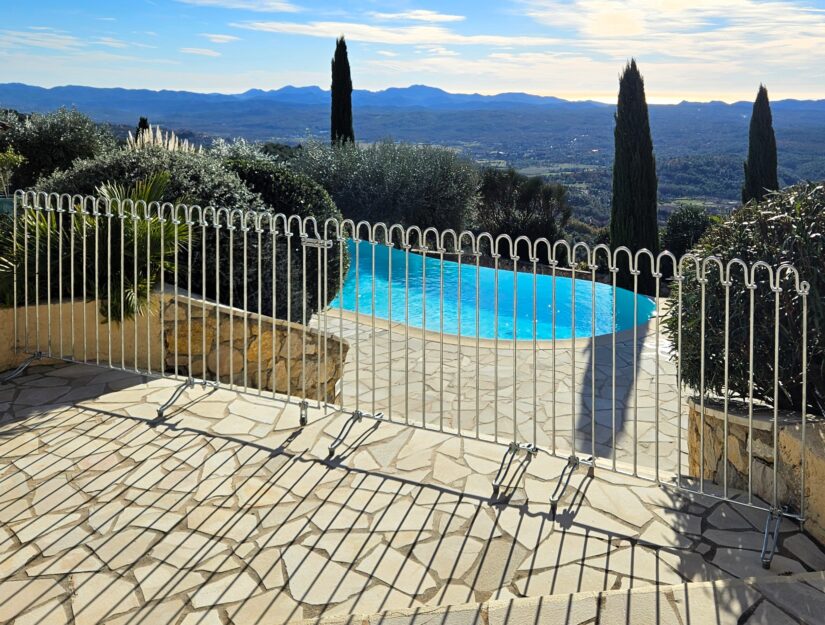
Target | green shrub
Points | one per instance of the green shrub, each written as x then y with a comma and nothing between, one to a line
786,227
426,186
513,204
212,179
287,192
193,178
52,141
684,227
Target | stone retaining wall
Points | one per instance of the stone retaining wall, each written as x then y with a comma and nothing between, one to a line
789,455
228,344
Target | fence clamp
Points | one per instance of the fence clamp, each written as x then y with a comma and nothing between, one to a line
319,243
771,535
304,418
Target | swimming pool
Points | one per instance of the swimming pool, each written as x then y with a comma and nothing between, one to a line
424,285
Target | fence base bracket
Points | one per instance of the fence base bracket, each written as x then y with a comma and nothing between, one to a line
303,419
22,367
512,451
573,463
770,537
188,383
354,418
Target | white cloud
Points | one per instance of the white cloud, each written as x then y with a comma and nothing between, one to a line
401,35
200,52
262,6
418,15
388,53
220,38
48,39
109,42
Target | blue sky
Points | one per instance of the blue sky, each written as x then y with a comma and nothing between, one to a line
687,49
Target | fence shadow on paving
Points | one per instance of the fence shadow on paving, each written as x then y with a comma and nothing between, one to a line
274,474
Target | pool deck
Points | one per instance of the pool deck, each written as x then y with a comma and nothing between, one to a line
227,512
467,385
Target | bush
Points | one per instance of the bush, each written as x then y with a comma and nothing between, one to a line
513,204
684,227
425,186
290,193
193,178
786,227
220,180
52,141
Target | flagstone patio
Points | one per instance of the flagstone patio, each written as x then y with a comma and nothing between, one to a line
228,512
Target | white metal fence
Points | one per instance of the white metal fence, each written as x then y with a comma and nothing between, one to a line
429,329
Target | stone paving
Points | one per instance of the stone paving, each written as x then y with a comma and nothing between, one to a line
228,512
564,390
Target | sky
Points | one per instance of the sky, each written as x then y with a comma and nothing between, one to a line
695,50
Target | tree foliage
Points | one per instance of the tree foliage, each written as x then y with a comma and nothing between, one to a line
760,168
786,227
684,227
421,185
633,219
341,129
513,204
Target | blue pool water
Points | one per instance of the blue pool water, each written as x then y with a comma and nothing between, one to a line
429,273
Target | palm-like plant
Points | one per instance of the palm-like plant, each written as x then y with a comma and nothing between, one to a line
136,246
143,245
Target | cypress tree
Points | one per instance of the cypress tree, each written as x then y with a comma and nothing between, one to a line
760,168
143,126
633,218
341,126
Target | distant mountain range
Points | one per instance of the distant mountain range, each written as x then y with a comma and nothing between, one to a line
699,146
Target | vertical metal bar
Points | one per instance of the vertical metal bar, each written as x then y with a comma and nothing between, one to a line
49,210
357,323
37,218
72,237
341,248
122,218
495,344
149,289
804,447
217,299
84,252
460,354
59,234
303,316
424,334
553,349
614,451
321,273
231,349
656,363
373,362
274,281
109,264
162,271
679,384
593,358
752,289
175,238
97,221
441,336
703,282
406,333
515,338
478,344
389,326
14,253
261,383
571,262
775,495
726,283
189,319
634,368
136,287
245,230
535,353
204,243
